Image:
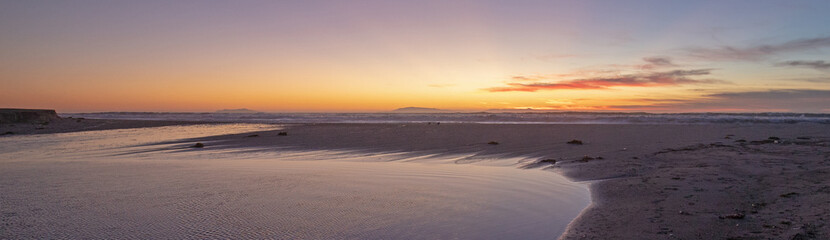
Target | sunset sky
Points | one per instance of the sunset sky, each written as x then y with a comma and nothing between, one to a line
366,56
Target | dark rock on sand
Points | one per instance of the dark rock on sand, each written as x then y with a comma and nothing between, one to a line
493,143
198,145
575,142
765,141
551,161
774,138
789,195
254,135
282,134
733,216
586,158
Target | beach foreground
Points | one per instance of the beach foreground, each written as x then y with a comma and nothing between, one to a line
707,181
665,181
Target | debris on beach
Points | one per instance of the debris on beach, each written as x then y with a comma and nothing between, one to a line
789,194
765,141
198,145
586,158
493,143
549,160
253,135
282,134
775,140
575,142
733,216
695,147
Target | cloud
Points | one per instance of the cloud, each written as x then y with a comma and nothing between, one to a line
777,95
782,100
527,78
818,65
813,80
657,62
754,53
650,79
549,57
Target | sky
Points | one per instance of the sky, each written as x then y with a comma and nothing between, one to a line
368,56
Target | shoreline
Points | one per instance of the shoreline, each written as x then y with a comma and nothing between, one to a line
646,181
69,124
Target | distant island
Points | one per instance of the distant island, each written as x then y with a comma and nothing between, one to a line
241,110
419,110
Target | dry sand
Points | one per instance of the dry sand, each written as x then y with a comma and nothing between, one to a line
647,181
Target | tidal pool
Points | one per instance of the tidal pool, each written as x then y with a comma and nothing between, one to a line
116,184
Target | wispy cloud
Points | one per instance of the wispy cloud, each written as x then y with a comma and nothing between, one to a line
786,100
818,65
754,53
657,62
812,80
548,57
650,79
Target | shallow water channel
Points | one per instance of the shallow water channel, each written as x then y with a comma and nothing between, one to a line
117,184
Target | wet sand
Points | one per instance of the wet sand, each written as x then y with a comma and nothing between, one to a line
713,181
647,181
124,184
64,125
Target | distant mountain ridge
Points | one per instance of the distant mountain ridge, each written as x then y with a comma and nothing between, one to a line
419,110
240,110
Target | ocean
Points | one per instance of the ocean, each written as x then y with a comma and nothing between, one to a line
478,117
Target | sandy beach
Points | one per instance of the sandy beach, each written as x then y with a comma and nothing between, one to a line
707,181
704,181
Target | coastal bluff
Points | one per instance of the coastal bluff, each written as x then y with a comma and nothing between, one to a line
15,115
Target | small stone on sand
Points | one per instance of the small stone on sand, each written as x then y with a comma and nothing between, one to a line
198,145
575,142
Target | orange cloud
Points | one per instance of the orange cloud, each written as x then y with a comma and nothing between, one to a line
652,79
